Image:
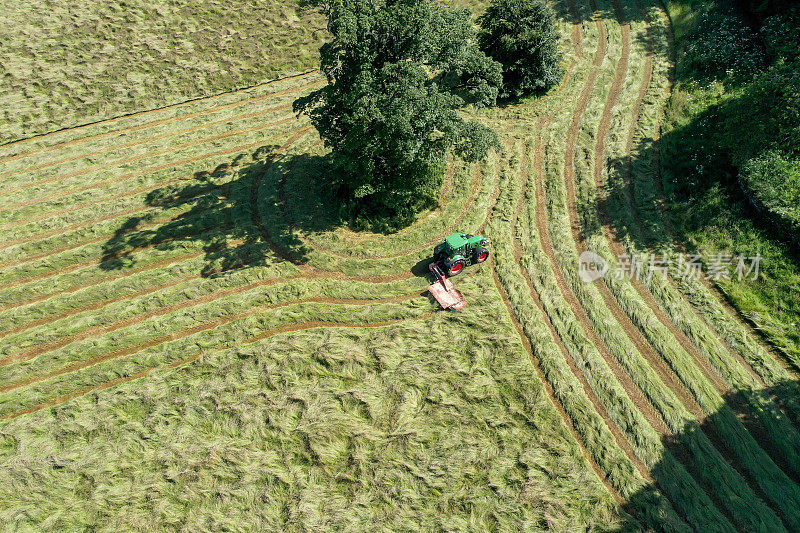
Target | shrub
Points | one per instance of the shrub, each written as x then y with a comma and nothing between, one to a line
722,46
781,34
765,115
773,178
522,35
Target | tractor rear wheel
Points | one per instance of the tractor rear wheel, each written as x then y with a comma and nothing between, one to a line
481,254
455,268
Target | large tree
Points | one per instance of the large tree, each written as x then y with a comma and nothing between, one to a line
523,36
397,72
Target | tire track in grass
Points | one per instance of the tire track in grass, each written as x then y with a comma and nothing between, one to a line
769,410
302,326
167,135
138,127
475,188
144,188
143,172
155,222
199,328
756,459
221,229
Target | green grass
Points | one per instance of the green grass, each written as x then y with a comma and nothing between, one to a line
74,63
191,337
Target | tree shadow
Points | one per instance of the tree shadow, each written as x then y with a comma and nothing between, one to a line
237,213
787,395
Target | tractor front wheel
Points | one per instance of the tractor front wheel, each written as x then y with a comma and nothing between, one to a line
481,255
455,268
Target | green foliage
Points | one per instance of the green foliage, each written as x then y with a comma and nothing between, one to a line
765,115
781,34
774,180
719,132
523,36
766,7
398,70
722,45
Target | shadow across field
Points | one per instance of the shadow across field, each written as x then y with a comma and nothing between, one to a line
246,213
236,213
786,394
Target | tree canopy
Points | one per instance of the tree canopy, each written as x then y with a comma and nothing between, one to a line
397,72
523,36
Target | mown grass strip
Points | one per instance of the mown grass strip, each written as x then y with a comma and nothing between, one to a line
68,131
269,319
116,148
27,216
35,198
651,506
208,314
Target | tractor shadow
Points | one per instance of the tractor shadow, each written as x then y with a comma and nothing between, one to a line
641,507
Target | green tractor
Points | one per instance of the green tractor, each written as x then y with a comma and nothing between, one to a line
460,250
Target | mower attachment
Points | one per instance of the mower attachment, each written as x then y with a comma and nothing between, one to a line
443,290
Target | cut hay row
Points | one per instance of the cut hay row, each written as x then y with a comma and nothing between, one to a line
565,354
292,328
754,463
565,379
38,346
119,156
264,320
605,452
62,185
625,355
700,514
157,258
117,149
25,148
121,186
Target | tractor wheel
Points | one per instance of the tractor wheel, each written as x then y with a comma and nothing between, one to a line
481,254
455,268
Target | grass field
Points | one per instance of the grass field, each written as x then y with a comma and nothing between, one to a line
190,338
74,62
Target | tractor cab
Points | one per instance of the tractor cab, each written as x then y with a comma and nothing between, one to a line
460,250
